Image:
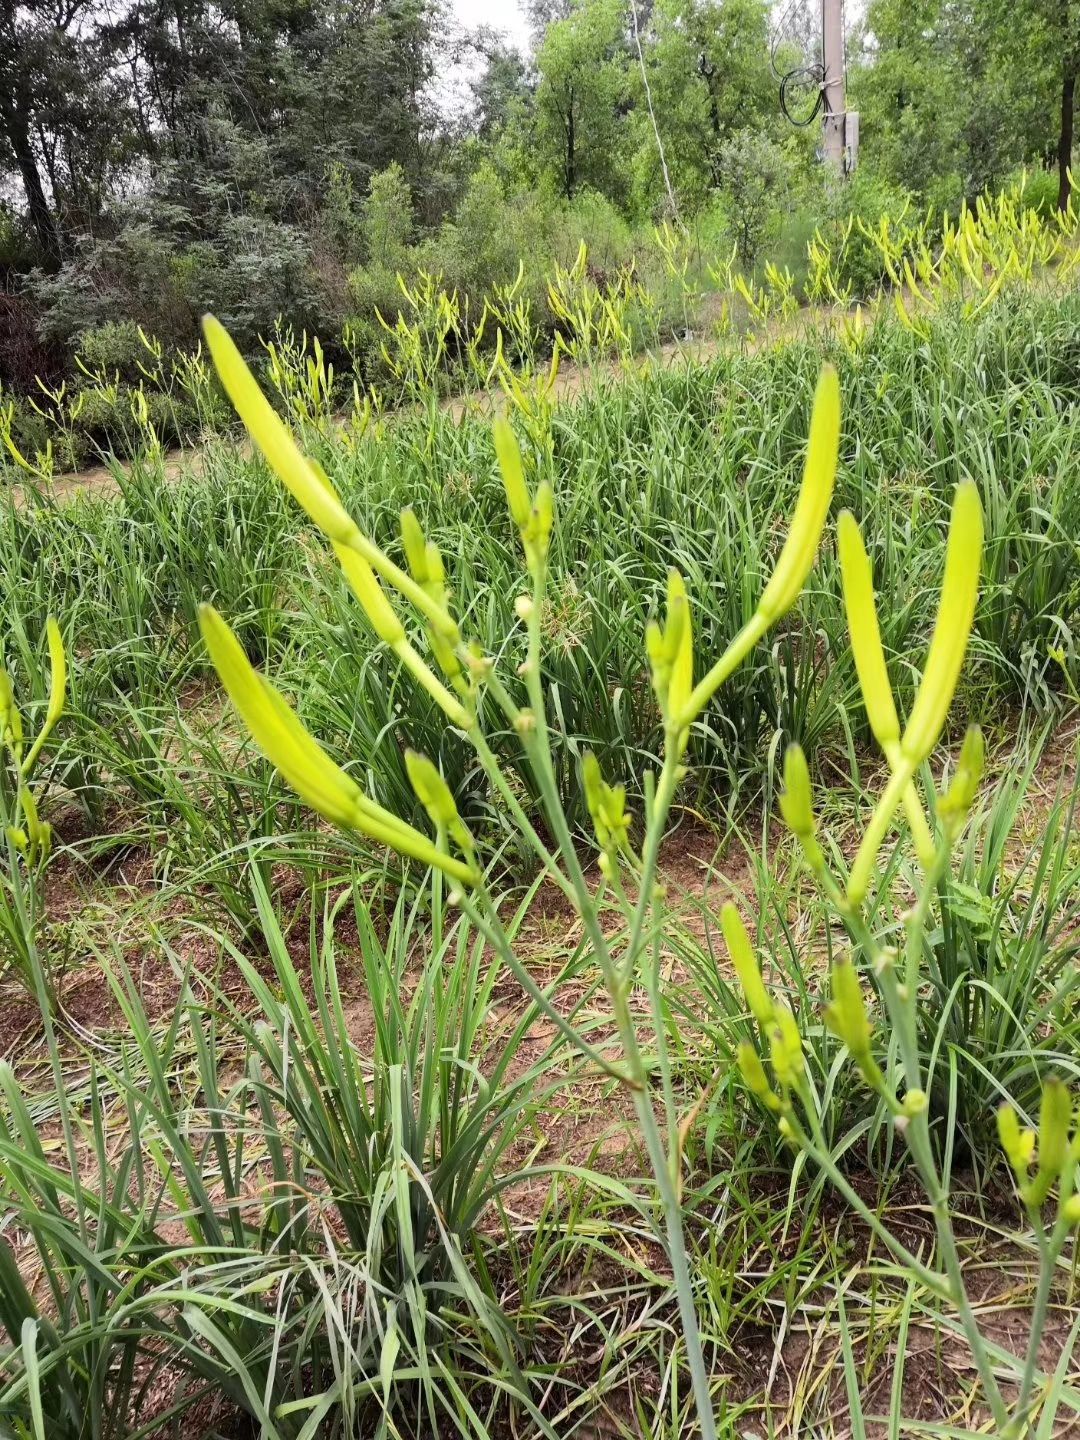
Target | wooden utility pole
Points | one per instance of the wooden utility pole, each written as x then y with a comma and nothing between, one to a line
835,108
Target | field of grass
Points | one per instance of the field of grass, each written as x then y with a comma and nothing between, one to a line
301,1137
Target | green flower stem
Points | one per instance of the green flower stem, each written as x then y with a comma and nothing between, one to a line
490,926
902,1005
494,772
817,1147
538,748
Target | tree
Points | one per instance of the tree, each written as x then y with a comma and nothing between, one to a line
708,68
581,99
955,94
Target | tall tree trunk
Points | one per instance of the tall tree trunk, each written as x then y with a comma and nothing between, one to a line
15,124
46,230
1065,143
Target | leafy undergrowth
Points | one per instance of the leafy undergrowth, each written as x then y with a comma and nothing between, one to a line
798,1304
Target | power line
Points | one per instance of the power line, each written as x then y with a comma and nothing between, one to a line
809,76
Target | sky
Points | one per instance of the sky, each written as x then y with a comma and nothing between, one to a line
505,15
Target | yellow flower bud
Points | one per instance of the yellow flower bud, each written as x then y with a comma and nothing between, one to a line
799,550
57,692
753,1074
365,586
952,628
671,650
812,506
271,435
858,586
796,800
682,660
785,1048
7,703
415,546
746,966
1018,1145
1055,1118
320,783
543,518
607,807
434,794
508,455
956,803
846,1015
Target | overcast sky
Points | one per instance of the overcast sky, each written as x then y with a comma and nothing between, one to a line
505,15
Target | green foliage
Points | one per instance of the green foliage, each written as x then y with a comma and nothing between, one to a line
580,134
708,71
343,1103
855,214
752,170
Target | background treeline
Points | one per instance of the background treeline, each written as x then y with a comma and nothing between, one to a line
269,158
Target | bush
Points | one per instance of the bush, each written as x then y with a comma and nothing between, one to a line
387,219
754,172
23,354
114,349
863,202
1040,190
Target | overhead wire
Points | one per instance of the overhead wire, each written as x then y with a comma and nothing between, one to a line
809,76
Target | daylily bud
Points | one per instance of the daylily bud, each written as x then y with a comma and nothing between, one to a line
272,437
799,550
434,794
753,1074
671,650
785,1048
746,966
858,586
508,454
607,807
846,1017
7,704
1055,1117
1018,1145
952,628
807,523
435,569
305,479
796,799
955,805
281,736
543,517
415,546
365,586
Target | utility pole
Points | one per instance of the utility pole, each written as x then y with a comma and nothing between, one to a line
832,85
840,140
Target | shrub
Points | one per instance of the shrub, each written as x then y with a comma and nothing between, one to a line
24,356
386,222
116,349
856,207
753,172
